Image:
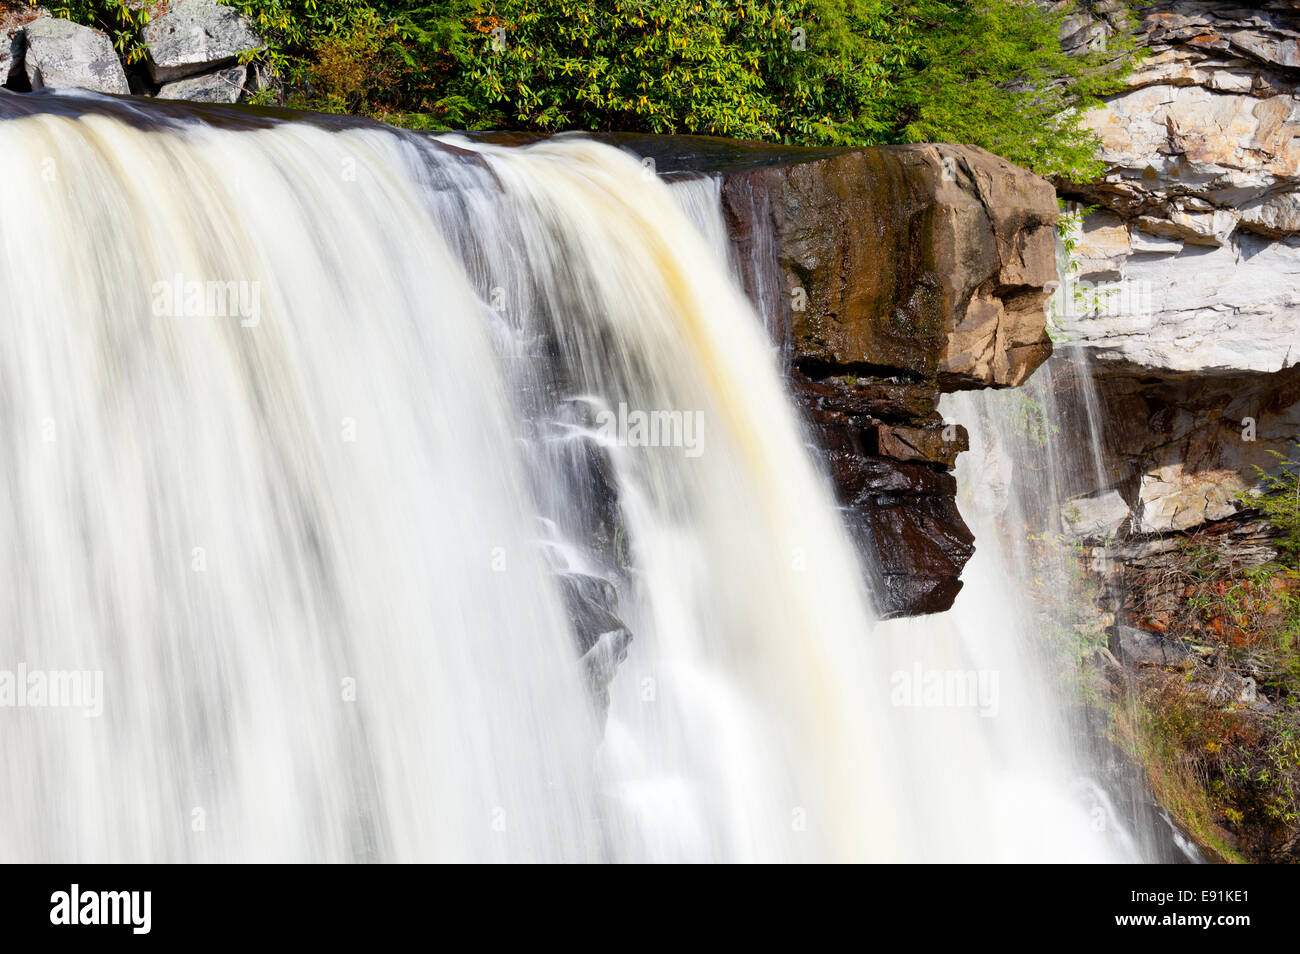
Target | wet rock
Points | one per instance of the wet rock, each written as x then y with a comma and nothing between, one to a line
60,54
601,636
918,545
895,485
906,271
195,36
223,86
939,444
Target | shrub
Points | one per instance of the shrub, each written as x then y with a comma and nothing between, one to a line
808,72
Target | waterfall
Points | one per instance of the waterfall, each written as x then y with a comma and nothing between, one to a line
1033,450
420,499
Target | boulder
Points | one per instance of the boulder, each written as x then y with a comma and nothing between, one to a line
195,36
11,54
223,86
1095,516
1176,498
60,54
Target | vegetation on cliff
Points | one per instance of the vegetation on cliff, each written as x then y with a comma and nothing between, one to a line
1218,730
810,72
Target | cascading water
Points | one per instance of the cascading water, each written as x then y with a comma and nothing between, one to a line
1028,583
316,435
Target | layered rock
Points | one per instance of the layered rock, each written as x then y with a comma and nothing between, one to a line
1200,204
1185,347
1177,449
1189,314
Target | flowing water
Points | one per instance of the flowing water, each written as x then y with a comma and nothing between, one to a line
311,433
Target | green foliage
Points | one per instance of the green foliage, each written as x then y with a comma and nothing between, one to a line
1280,502
812,72
809,72
662,66
374,57
1030,419
990,72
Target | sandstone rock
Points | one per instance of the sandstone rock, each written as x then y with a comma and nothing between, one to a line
1187,308
1095,516
939,444
1203,157
223,86
1000,339
1170,439
1174,498
1104,244
61,54
195,36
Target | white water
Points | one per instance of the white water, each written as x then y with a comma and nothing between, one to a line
314,552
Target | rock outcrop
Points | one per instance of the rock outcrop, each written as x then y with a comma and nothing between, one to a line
192,52
1184,338
195,36
62,54
888,276
1189,311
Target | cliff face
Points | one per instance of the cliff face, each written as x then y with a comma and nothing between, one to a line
1190,310
889,276
1185,327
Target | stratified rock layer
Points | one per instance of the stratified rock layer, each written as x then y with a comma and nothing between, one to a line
1189,316
1200,217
